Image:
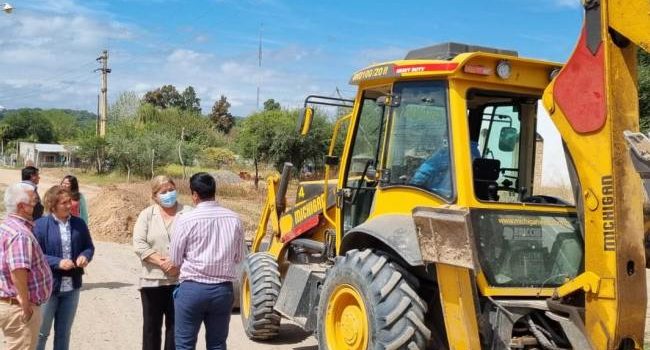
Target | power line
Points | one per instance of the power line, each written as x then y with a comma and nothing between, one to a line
21,96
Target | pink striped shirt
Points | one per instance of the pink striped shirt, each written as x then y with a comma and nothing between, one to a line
207,244
19,249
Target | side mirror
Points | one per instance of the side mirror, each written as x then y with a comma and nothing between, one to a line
508,139
304,121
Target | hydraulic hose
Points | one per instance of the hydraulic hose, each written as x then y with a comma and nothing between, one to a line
539,335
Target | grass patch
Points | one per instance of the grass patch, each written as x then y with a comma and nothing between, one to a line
86,177
176,171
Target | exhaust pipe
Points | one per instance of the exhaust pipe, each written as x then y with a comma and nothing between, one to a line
281,196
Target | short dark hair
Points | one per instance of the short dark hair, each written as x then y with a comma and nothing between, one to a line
204,185
28,172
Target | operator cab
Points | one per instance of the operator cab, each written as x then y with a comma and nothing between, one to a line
457,125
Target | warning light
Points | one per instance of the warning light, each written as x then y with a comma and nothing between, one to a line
477,69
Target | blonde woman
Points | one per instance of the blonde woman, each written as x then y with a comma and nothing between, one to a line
159,277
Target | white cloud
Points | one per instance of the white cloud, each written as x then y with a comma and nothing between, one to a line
48,52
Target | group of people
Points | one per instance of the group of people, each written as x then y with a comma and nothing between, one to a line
189,259
42,260
188,255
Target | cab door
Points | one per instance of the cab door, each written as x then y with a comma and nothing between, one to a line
359,177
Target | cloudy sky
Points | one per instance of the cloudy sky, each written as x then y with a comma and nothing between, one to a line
48,47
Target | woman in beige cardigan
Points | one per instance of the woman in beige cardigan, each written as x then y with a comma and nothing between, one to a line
151,237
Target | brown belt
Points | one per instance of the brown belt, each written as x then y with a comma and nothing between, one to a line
9,300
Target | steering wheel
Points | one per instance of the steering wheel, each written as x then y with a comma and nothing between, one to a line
506,185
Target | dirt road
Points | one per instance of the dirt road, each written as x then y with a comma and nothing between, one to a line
110,317
110,314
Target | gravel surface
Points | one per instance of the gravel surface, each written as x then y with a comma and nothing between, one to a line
109,316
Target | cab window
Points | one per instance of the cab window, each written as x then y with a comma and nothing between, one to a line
499,140
418,152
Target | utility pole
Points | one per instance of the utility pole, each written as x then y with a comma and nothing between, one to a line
103,100
98,113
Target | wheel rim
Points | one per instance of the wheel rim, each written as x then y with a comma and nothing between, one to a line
346,322
245,297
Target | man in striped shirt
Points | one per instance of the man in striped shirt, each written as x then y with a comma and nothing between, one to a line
207,245
25,277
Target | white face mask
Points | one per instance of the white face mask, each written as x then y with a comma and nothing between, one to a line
168,199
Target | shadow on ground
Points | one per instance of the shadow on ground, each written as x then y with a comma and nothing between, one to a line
289,334
106,285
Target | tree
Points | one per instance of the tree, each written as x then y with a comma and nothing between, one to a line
255,139
190,102
126,106
164,97
158,137
217,157
64,125
270,105
93,149
135,147
221,117
270,136
289,146
168,97
30,125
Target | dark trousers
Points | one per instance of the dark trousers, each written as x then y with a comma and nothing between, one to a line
197,303
156,303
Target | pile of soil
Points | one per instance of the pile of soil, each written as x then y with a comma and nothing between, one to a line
223,177
113,212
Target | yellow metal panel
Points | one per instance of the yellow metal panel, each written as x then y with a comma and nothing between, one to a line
485,289
457,299
354,116
632,19
612,193
286,224
402,200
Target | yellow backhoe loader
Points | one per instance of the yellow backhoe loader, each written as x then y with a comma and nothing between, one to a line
429,230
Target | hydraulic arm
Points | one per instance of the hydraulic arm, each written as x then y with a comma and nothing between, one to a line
593,101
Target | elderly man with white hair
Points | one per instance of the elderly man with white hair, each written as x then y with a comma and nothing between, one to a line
25,277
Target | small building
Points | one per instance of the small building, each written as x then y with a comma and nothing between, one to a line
47,154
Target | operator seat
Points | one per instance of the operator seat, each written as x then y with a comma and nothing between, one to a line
486,174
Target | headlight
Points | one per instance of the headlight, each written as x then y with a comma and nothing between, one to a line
504,69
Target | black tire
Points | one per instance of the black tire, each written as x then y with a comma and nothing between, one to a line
260,320
394,311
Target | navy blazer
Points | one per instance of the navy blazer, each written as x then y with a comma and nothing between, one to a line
47,232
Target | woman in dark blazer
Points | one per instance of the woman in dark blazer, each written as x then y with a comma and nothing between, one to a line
68,248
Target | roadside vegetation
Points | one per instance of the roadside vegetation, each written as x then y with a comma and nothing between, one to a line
165,132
